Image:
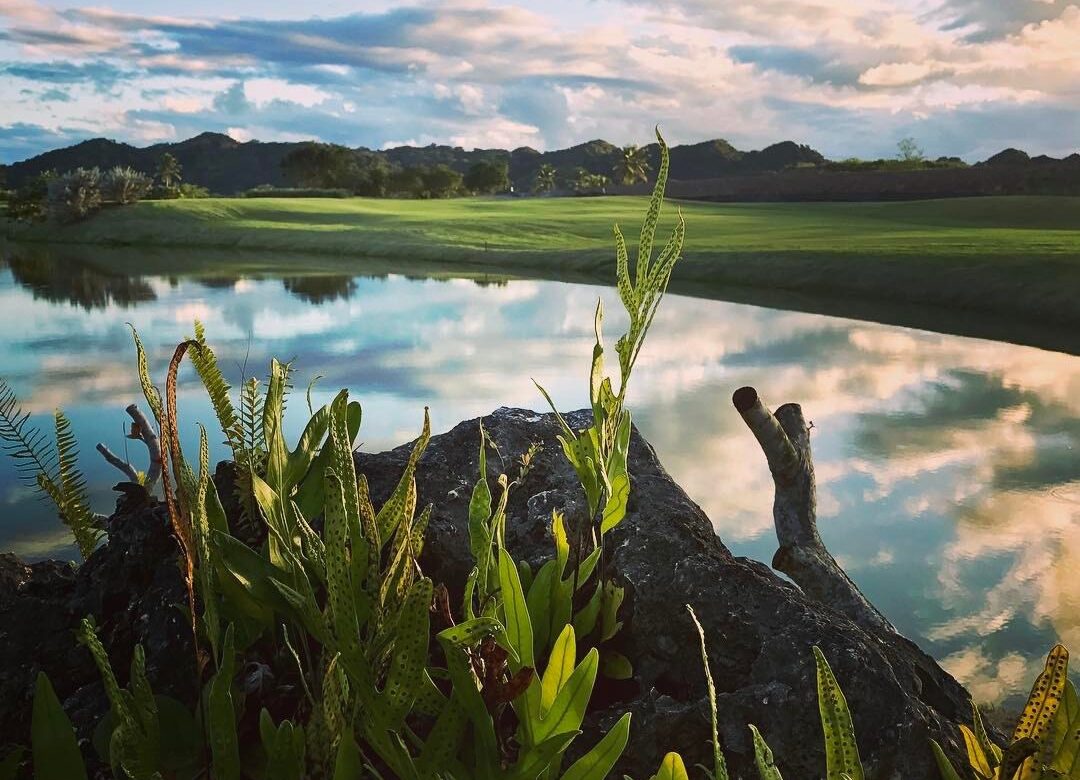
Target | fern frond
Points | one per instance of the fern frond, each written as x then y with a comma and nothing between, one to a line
153,397
251,422
74,503
26,445
213,380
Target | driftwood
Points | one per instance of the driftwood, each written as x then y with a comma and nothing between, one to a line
141,430
785,439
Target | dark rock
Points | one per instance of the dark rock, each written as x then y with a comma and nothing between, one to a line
760,628
131,587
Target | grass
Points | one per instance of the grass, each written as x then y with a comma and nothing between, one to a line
1012,257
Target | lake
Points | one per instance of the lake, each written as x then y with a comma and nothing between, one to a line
948,467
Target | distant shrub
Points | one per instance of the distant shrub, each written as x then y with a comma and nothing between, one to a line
125,185
193,191
296,192
586,183
75,195
28,201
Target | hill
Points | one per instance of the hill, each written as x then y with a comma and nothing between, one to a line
226,166
710,170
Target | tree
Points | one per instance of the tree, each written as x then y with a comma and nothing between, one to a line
315,165
406,182
545,178
633,166
488,176
169,171
29,201
909,151
441,181
125,185
586,183
75,195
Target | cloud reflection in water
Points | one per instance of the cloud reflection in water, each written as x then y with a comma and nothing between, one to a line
948,468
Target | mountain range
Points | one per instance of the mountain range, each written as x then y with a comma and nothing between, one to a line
226,166
710,169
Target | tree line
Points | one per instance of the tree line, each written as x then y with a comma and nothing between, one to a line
77,194
329,167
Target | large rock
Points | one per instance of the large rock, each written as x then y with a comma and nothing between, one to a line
760,628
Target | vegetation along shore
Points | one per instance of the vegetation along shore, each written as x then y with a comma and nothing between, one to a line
1012,257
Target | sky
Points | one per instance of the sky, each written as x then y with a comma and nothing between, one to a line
963,77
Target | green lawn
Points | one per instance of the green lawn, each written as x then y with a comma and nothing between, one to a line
1017,257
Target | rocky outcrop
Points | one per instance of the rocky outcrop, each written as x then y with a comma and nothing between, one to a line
760,627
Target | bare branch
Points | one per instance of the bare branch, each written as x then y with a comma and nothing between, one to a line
115,460
141,430
144,431
785,439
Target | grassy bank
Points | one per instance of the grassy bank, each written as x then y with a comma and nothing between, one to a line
1015,257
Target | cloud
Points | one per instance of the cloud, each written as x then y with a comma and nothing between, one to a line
850,78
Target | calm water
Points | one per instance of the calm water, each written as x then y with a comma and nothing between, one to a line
948,468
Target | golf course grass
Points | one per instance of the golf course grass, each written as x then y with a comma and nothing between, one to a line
1011,257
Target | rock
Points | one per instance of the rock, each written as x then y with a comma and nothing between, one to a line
760,628
132,588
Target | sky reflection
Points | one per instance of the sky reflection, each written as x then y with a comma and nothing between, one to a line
948,468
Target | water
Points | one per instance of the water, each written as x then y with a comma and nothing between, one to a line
948,468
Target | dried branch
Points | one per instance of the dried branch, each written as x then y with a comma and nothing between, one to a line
785,439
141,430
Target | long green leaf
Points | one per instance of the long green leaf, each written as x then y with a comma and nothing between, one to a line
597,763
56,751
841,750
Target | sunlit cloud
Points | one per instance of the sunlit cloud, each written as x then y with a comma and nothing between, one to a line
849,78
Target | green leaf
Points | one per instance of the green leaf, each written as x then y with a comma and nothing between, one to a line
222,715
763,757
1041,708
615,666
518,624
841,750
406,677
992,751
1064,747
560,667
945,767
56,751
597,763
976,755
568,709
348,765
671,768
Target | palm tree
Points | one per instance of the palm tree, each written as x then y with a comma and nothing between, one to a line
633,166
168,171
545,178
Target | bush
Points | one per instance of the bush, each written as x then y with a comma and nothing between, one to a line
193,191
75,195
125,185
296,192
28,202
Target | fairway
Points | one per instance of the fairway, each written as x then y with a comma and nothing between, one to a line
1017,257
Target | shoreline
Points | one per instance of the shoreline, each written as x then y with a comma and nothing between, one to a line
775,257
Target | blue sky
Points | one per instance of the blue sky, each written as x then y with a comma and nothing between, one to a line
964,77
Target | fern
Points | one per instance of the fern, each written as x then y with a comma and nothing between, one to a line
50,467
26,445
253,438
206,366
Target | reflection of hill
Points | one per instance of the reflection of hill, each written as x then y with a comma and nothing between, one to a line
66,281
320,289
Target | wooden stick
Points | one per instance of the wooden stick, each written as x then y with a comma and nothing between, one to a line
784,437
